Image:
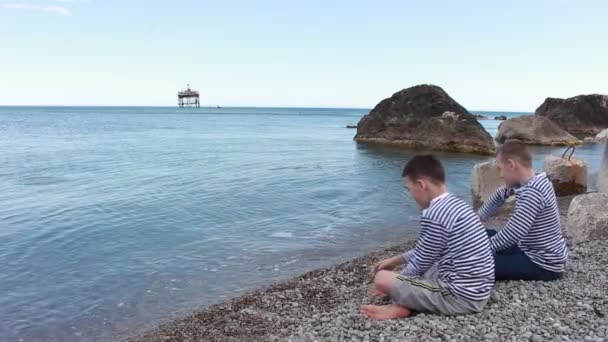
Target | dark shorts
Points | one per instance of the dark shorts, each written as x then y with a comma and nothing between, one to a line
514,264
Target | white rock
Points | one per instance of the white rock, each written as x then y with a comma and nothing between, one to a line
485,180
588,218
569,177
602,136
602,175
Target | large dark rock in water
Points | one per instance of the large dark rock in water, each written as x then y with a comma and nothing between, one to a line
583,114
424,117
534,130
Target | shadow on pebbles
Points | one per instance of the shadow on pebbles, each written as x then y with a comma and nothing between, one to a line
322,305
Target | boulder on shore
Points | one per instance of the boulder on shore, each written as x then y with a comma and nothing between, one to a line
424,117
588,218
534,130
602,175
583,114
485,179
569,177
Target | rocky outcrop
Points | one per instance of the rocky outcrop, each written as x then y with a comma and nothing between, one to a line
481,117
500,117
583,114
588,218
424,117
534,130
569,177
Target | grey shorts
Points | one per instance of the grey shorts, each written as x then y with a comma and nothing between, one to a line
429,294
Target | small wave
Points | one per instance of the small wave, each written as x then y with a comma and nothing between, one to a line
290,262
41,180
285,235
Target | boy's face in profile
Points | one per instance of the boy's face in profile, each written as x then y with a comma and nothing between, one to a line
418,189
509,169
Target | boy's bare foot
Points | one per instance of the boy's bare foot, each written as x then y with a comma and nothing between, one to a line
390,311
374,292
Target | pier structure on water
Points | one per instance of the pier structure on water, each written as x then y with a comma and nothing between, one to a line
188,98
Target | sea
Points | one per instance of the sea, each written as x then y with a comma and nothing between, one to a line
116,219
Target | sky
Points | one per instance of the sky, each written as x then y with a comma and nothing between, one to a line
488,55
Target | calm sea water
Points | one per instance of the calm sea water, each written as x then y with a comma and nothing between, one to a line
116,219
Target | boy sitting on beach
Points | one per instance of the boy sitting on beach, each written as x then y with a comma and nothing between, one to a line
531,246
451,269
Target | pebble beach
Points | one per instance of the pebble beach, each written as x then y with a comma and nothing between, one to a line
322,305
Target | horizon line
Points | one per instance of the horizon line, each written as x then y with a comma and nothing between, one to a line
215,107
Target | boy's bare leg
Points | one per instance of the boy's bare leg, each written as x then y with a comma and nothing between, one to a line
383,283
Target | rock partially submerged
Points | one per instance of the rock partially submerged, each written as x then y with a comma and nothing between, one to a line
601,137
535,130
351,126
500,117
588,218
583,114
424,117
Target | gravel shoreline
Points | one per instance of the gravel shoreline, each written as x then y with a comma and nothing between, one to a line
322,305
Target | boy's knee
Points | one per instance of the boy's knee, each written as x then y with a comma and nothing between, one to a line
384,281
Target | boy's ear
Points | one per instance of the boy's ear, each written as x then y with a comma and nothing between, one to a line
422,183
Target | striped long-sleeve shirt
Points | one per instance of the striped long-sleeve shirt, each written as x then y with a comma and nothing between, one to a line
534,225
453,237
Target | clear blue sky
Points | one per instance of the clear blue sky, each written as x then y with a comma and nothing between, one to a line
488,55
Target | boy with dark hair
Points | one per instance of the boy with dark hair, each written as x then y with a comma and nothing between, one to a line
531,246
451,269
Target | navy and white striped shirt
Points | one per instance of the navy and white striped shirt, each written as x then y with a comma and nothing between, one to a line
453,237
535,224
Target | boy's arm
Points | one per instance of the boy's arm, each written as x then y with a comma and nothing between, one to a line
491,206
408,256
518,226
429,246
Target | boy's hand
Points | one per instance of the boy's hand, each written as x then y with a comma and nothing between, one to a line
388,264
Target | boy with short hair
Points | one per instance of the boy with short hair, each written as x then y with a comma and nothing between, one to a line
451,269
531,246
